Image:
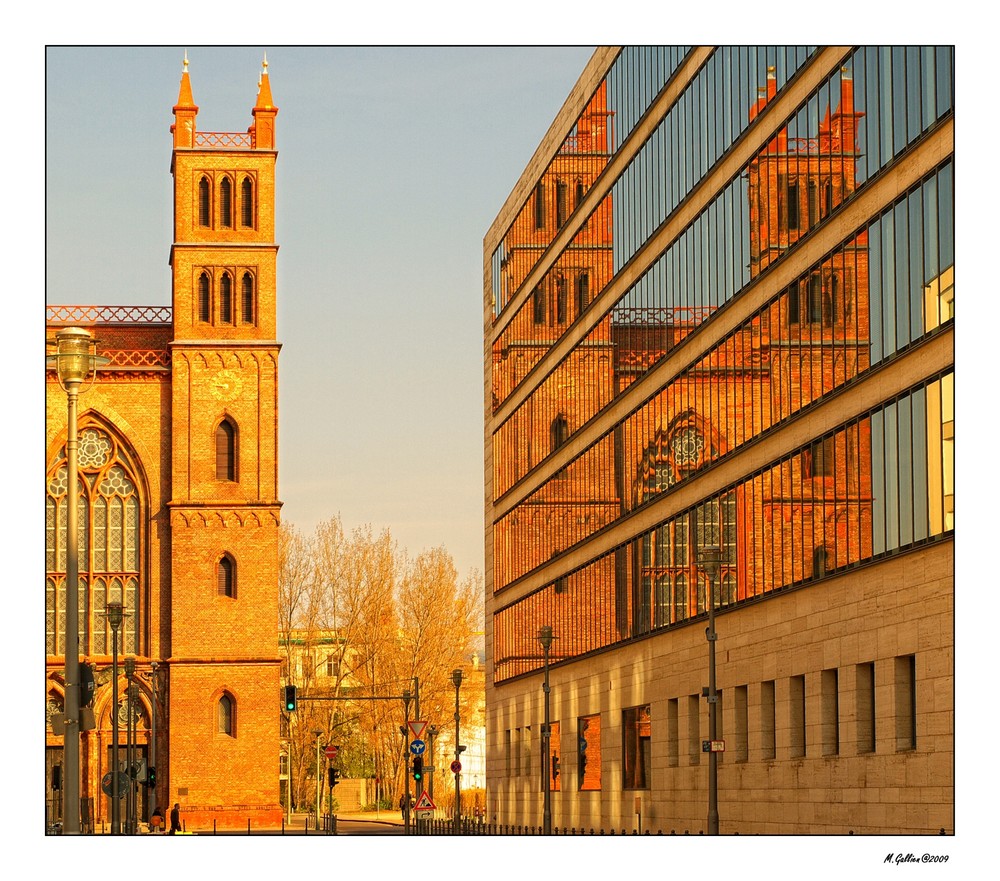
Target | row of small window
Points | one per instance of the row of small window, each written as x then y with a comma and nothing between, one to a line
218,205
552,306
583,760
220,309
561,207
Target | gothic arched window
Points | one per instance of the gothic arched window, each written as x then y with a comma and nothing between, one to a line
204,202
248,299
226,711
582,292
225,451
538,303
562,203
204,298
226,202
561,299
110,536
540,206
226,298
246,202
226,577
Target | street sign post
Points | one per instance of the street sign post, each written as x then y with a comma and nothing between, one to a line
417,729
417,747
331,751
456,766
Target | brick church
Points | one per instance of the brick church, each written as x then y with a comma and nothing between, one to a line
179,510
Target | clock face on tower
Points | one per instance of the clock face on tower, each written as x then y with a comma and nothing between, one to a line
226,384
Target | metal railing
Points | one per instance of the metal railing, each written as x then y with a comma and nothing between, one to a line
109,314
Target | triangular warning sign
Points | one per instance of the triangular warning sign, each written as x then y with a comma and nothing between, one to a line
417,729
424,803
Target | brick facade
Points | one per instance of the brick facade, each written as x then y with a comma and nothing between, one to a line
205,647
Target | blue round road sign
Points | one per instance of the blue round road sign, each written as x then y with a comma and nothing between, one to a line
417,747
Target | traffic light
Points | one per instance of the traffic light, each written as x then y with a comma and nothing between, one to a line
151,776
334,776
555,767
86,684
290,698
418,768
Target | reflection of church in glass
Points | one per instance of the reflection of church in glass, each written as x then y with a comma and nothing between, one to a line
810,340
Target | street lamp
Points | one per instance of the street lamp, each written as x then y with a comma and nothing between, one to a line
317,732
545,638
711,558
407,697
115,620
432,733
75,359
152,749
456,677
129,745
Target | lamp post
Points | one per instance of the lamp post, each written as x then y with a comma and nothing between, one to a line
152,748
76,357
545,638
115,620
456,677
317,732
406,760
710,560
432,733
129,745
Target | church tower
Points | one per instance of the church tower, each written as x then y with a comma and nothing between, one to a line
224,508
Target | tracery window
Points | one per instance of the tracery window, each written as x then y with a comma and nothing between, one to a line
110,535
672,586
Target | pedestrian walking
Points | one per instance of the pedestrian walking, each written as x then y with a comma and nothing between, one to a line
175,819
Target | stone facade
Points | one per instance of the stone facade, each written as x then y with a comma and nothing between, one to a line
724,385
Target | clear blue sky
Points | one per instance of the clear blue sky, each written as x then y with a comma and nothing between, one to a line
392,163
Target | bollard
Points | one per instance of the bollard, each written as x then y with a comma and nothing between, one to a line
248,825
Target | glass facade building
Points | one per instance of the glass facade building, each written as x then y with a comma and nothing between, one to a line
719,314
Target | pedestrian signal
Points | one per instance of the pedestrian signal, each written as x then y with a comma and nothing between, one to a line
290,698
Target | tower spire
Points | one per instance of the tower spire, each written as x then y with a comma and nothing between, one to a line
185,111
264,111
